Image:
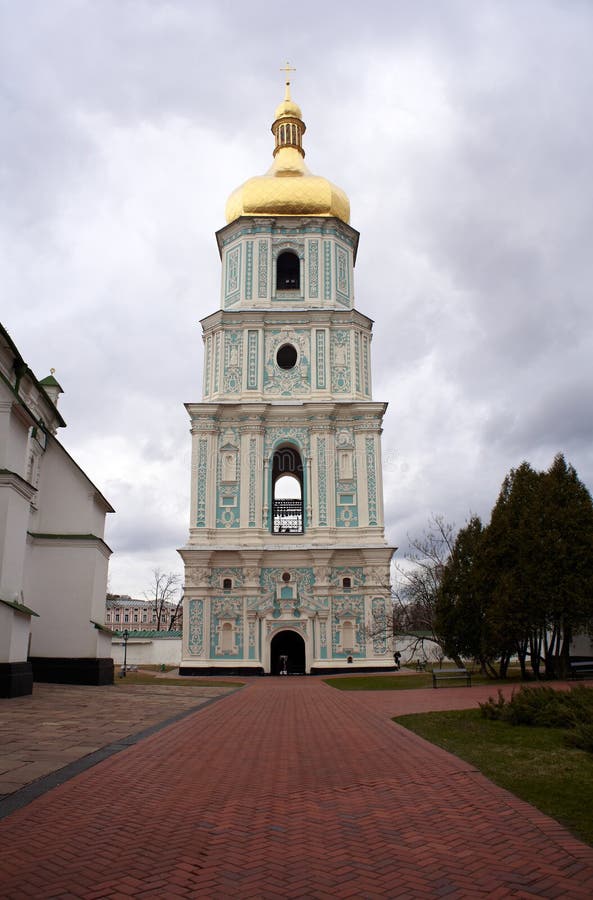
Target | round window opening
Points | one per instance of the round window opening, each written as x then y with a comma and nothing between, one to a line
286,576
286,356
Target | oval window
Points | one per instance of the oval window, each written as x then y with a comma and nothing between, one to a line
286,356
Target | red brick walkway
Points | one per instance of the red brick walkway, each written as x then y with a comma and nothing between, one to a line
289,789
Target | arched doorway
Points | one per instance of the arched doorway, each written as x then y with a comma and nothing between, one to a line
291,645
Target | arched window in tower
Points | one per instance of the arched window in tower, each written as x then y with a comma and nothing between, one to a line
287,491
288,272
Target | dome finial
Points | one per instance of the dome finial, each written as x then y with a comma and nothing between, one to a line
288,127
287,68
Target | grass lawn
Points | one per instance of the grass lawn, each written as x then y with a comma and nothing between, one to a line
533,763
380,682
148,678
399,682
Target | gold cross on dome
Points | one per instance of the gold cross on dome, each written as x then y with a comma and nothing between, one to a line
287,68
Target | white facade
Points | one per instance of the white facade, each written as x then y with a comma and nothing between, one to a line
582,646
123,611
286,392
53,557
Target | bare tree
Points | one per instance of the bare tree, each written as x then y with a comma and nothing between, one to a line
417,584
162,596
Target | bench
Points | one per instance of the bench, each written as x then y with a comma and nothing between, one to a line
451,675
421,665
581,668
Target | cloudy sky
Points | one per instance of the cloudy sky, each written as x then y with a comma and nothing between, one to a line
462,132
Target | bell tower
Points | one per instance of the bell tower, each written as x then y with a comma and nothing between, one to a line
286,564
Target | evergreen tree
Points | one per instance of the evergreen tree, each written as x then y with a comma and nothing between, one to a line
513,557
461,609
524,584
567,523
538,564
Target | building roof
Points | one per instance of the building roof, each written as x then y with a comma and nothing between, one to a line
113,600
22,370
139,633
126,601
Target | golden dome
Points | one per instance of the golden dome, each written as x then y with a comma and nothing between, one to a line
288,188
288,108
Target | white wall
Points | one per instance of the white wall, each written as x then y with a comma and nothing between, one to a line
582,645
65,584
14,515
410,649
67,500
148,651
14,635
14,431
61,575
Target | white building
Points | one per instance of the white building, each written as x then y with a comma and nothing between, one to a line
53,559
286,559
123,611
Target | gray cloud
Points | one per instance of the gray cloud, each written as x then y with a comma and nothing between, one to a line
461,133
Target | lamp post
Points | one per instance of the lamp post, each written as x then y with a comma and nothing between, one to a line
125,636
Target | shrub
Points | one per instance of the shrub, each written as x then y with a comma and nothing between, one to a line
540,706
581,700
581,736
493,709
543,706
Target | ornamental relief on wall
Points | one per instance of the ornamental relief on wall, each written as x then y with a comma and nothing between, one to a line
233,360
380,623
296,625
220,573
250,574
378,575
300,579
340,361
228,479
195,640
286,382
197,576
348,606
227,607
322,574
274,435
355,573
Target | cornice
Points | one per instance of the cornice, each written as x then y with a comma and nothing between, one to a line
363,413
17,483
48,539
287,226
287,317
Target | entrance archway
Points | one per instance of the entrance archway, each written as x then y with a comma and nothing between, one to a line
291,645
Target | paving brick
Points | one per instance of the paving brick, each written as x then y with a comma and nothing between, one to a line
289,789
